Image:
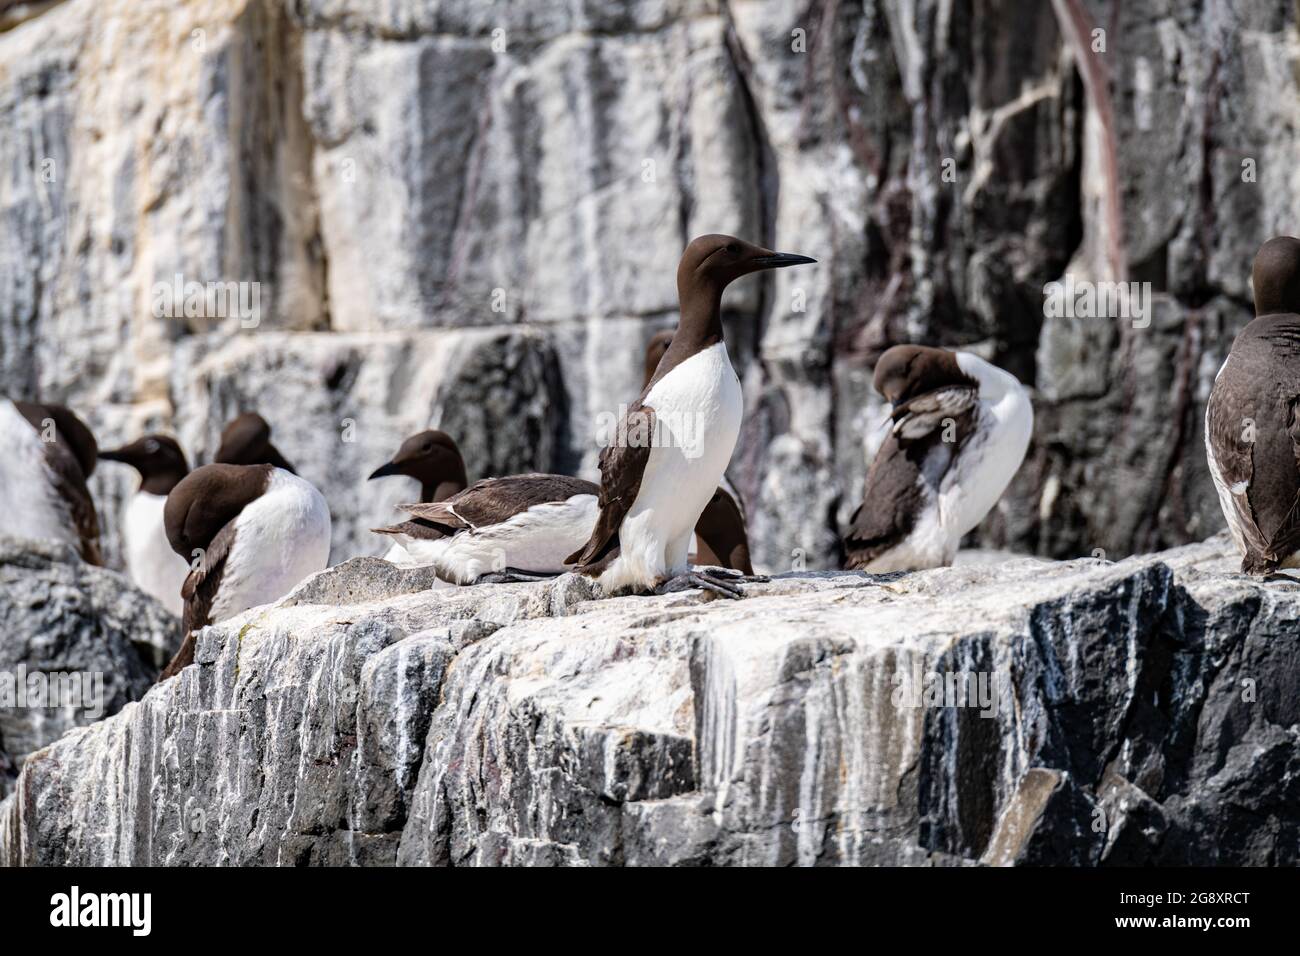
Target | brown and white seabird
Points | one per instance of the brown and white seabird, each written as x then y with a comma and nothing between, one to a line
958,432
152,564
720,536
46,456
250,533
1252,437
518,528
246,440
673,445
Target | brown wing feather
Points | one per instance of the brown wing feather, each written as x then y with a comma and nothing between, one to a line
71,486
621,470
417,528
888,508
926,412
896,480
1254,429
1236,465
488,502
200,591
71,458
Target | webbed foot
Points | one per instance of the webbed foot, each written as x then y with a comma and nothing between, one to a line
513,576
722,586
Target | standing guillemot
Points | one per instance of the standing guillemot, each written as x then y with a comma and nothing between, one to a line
48,454
500,529
959,429
246,440
680,436
153,565
1252,438
720,536
250,533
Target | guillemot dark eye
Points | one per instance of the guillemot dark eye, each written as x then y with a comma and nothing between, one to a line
733,248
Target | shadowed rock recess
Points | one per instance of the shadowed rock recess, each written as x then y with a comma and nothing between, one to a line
1145,711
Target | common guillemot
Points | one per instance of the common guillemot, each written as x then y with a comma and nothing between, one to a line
680,435
250,533
958,431
433,459
152,564
1252,438
500,529
49,454
246,440
720,536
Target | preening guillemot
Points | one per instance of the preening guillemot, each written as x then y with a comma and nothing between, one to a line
720,536
1252,436
246,440
48,455
675,442
153,565
250,533
958,431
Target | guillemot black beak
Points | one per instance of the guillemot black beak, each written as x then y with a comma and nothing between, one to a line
779,260
383,471
115,454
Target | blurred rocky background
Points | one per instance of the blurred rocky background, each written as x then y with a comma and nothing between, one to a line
468,214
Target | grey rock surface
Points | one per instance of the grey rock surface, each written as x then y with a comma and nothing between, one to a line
76,643
1137,712
466,204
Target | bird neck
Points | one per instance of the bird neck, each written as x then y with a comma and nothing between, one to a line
161,483
699,327
440,490
701,316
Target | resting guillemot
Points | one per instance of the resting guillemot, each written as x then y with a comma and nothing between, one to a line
153,565
250,533
246,440
49,453
433,459
500,529
680,436
1252,438
720,536
958,431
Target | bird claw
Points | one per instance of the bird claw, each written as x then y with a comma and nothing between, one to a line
723,587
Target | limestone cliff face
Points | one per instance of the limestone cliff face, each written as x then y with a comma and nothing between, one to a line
1022,712
468,213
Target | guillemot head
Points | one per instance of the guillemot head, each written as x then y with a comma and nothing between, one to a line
158,459
714,261
1275,276
432,458
906,372
69,431
246,440
654,351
